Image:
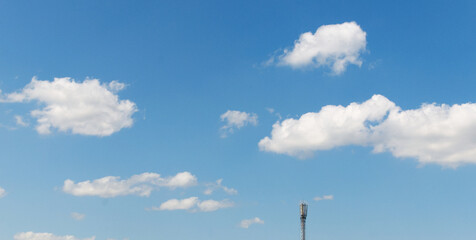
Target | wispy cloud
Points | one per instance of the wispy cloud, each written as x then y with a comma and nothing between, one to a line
20,122
46,236
236,120
141,185
178,204
248,222
2,192
211,187
193,204
78,216
272,111
213,205
325,197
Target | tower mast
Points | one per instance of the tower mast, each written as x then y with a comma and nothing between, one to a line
303,208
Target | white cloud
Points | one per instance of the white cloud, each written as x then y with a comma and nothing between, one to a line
86,108
213,205
334,46
20,122
440,134
78,216
211,187
331,127
248,222
193,204
236,120
46,236
177,204
183,179
2,192
325,197
141,185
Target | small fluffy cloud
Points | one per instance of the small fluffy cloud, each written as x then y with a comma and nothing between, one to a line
2,192
236,120
141,185
86,108
211,187
325,197
193,204
248,222
78,216
46,236
335,46
440,134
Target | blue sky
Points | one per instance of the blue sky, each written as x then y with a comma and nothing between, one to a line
190,101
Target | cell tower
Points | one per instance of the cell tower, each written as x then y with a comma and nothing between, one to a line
303,208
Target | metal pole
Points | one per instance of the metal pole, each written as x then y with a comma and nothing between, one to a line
303,208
